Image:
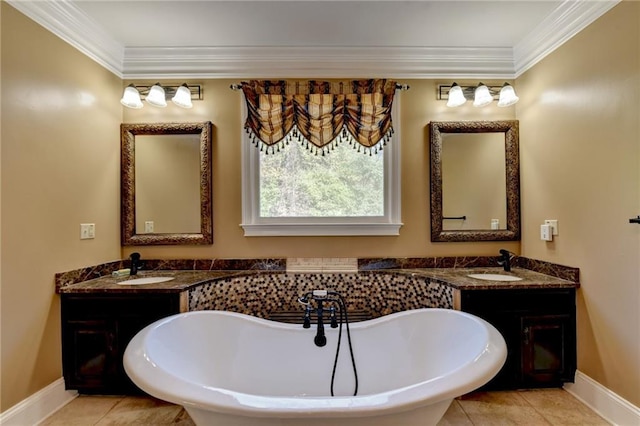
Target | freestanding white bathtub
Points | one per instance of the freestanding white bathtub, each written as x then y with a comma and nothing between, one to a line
231,369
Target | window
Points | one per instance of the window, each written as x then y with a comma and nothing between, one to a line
300,192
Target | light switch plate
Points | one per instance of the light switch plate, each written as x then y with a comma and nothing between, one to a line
546,233
87,231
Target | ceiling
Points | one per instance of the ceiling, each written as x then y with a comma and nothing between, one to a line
315,38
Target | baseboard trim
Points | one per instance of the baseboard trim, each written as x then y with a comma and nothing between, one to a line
603,401
38,406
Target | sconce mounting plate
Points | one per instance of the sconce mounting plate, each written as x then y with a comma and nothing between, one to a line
170,90
442,93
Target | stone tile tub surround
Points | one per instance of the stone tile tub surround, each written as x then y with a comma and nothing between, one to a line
377,293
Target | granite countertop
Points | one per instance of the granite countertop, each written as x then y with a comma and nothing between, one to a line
458,278
185,279
182,281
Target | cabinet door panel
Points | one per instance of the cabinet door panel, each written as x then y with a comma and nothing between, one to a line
95,332
91,363
544,357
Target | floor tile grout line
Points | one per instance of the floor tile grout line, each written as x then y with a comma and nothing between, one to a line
465,412
174,421
540,413
120,399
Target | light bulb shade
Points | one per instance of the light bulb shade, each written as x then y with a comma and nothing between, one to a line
456,96
508,96
182,98
156,96
131,97
482,96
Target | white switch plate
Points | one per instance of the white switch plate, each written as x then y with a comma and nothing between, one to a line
87,231
148,227
546,233
554,225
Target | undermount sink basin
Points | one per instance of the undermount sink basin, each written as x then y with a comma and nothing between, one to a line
146,280
494,277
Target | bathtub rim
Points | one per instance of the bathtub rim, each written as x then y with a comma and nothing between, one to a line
456,382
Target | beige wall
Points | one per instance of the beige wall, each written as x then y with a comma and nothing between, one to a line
222,106
0,207
580,147
60,167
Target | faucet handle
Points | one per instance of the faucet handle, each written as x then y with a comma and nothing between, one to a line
332,317
307,318
507,254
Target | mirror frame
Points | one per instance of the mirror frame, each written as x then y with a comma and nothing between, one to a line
128,133
512,166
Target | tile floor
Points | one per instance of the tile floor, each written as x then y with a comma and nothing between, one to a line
531,408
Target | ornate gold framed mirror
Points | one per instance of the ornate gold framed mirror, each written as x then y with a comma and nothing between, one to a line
166,183
475,181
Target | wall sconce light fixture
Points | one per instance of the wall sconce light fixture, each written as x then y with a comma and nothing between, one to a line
157,94
482,95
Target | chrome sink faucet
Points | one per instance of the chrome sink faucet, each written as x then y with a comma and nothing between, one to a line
505,259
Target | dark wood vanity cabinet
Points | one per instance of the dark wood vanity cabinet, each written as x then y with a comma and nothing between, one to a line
539,327
95,332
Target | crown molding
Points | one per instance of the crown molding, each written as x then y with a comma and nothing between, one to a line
564,22
324,62
68,22
65,20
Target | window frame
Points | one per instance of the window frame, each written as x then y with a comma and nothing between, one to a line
388,224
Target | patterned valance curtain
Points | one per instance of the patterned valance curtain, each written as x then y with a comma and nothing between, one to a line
319,114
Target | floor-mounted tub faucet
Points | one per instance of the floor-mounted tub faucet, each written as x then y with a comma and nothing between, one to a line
135,263
505,259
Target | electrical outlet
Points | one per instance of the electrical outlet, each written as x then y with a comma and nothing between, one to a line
554,225
87,231
148,227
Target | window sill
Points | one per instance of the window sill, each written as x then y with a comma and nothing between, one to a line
321,229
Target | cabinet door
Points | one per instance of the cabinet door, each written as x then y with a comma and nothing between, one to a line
545,349
91,362
96,329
